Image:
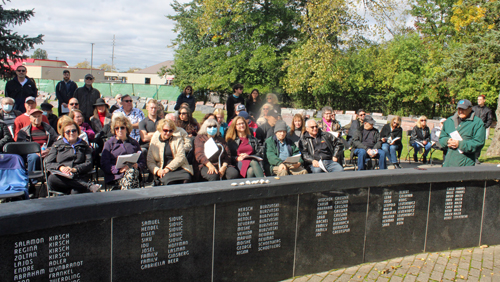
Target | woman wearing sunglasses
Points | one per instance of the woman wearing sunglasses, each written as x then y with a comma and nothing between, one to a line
166,155
121,143
217,165
391,135
70,161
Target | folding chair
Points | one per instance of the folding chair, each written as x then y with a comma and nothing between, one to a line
13,178
25,148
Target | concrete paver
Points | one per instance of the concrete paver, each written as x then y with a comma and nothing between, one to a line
470,264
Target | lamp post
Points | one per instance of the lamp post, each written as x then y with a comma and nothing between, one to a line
91,57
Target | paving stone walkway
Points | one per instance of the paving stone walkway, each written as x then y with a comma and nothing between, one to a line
471,264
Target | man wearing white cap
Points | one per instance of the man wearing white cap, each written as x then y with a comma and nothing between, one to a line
463,134
24,119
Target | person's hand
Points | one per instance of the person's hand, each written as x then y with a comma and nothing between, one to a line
315,163
424,142
222,170
190,135
295,166
453,143
384,140
136,166
392,143
281,167
65,169
44,153
123,169
371,153
335,159
162,172
241,157
211,168
73,170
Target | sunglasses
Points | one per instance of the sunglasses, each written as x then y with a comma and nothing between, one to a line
362,115
183,113
168,131
67,132
126,101
120,127
73,104
89,78
212,126
313,127
423,120
21,70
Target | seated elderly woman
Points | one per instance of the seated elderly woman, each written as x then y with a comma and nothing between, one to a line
77,116
242,145
126,177
69,161
166,155
391,135
217,165
328,123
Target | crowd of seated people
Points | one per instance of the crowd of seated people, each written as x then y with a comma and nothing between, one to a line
175,148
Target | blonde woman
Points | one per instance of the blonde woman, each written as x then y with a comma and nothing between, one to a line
219,114
272,99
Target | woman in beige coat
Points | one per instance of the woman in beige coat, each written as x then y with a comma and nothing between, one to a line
166,155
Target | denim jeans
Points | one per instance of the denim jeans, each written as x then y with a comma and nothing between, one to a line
417,147
391,151
330,166
363,158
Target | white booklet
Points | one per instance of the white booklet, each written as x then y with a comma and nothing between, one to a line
210,148
456,136
321,165
293,159
390,140
64,110
129,160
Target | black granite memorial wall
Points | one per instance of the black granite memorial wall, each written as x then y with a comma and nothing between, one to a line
218,232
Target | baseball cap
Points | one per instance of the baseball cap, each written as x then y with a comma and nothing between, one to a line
244,115
35,111
30,98
241,107
89,75
464,104
369,120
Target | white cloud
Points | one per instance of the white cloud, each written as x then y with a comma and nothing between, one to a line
141,29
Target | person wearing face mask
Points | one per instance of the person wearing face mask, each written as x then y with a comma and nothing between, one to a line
8,115
47,111
216,166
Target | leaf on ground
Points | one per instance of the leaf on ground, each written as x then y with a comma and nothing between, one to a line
484,246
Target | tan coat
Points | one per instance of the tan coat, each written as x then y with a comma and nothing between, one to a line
157,149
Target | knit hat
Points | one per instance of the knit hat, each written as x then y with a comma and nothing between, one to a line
280,126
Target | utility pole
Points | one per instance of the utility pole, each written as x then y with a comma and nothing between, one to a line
113,55
91,57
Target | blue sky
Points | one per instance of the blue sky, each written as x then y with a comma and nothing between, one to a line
142,31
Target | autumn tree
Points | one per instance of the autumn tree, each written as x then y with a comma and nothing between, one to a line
12,44
40,54
105,67
83,65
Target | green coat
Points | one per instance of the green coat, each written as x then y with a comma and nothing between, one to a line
472,132
272,151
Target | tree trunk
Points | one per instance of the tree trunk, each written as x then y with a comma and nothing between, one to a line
494,149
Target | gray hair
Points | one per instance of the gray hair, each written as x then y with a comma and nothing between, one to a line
170,116
118,96
309,121
8,99
208,122
327,108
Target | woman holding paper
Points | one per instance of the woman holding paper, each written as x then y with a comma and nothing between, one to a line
242,145
166,156
213,162
70,161
421,138
391,135
121,143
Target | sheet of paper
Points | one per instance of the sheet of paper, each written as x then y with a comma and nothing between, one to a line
456,136
210,148
322,166
130,158
293,159
336,134
64,109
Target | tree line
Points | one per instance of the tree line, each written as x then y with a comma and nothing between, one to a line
322,52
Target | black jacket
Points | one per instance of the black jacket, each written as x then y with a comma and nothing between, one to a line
183,99
357,140
258,149
5,136
485,114
63,95
24,134
87,98
62,154
418,134
16,113
253,108
231,101
19,93
53,120
306,146
386,133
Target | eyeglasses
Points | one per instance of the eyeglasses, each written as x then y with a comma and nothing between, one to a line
168,131
211,126
21,70
120,127
312,127
67,132
362,115
240,124
183,113
126,101
423,120
88,78
265,109
73,104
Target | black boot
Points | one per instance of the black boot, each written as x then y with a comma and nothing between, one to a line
415,158
424,160
397,166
